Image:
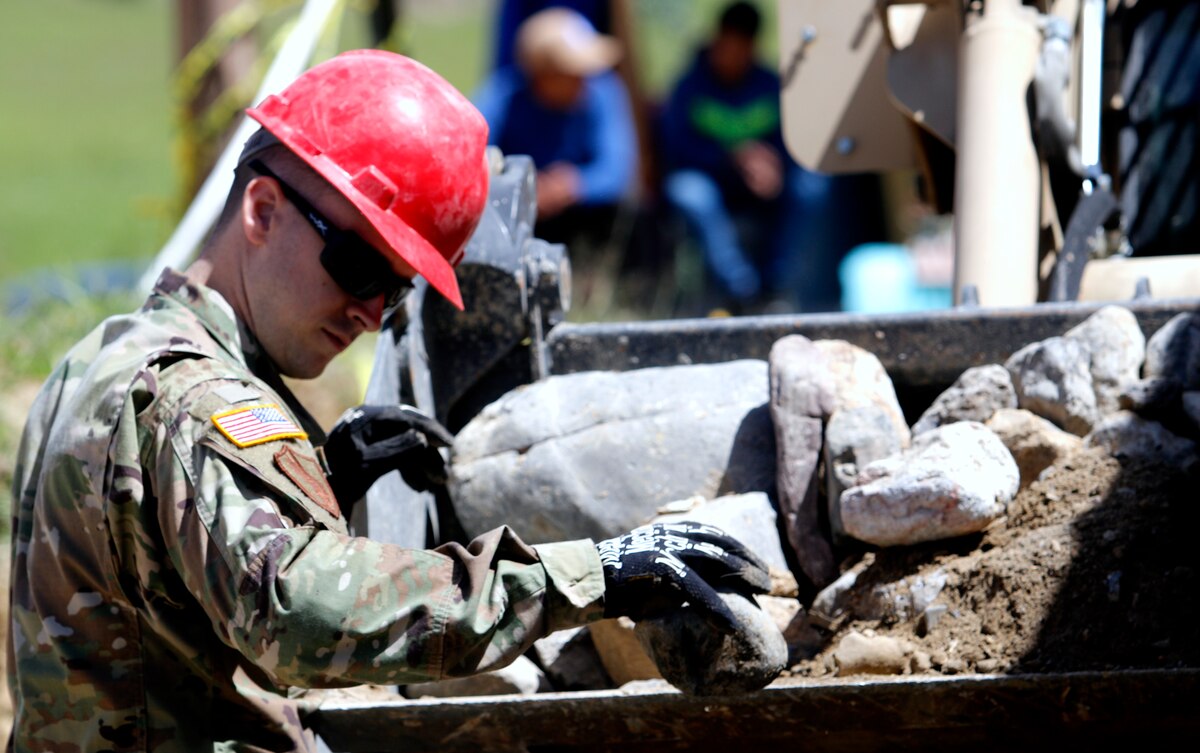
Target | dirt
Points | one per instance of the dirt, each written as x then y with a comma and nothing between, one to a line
1093,568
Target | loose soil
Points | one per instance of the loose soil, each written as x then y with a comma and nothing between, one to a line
1094,568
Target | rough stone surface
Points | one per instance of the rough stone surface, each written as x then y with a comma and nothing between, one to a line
1173,351
866,423
750,518
1116,348
620,651
975,396
1077,379
1191,411
1151,397
953,480
876,655
699,660
1035,443
596,454
801,396
1126,435
570,660
1051,379
830,606
522,677
781,610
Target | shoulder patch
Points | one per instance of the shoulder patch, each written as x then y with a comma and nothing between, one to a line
237,393
306,473
249,425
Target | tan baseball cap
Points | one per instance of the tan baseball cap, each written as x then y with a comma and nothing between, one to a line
560,39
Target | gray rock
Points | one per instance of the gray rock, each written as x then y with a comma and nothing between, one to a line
1127,435
954,480
854,438
802,390
1052,379
1077,379
1173,352
522,677
1116,348
833,604
699,660
750,518
977,394
865,425
1151,397
860,379
569,659
1191,410
1035,443
596,454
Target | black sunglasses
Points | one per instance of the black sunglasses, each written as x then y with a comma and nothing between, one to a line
355,265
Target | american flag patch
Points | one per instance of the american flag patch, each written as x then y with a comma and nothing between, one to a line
255,424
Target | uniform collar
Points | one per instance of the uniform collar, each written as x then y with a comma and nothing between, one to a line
217,317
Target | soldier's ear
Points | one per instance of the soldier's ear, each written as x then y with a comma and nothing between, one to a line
261,202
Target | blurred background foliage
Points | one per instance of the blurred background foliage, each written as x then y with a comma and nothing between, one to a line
94,161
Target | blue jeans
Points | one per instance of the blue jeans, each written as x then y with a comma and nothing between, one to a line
792,232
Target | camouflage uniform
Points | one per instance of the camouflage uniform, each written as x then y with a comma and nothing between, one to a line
171,578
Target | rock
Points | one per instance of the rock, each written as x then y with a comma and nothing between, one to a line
699,660
860,379
1051,379
975,396
750,518
570,660
1077,379
870,655
1116,348
1173,352
901,600
801,396
832,605
1126,435
1151,397
954,480
620,651
595,454
854,438
866,423
1191,410
781,610
522,677
1035,443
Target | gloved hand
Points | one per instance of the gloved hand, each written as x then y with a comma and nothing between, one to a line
370,440
656,568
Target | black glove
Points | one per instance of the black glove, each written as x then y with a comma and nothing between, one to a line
370,440
656,568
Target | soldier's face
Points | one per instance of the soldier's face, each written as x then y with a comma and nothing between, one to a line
299,314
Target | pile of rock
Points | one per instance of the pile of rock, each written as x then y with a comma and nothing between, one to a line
805,457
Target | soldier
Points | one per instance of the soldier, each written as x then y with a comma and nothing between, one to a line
181,557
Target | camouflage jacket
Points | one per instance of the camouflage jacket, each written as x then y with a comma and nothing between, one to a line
179,560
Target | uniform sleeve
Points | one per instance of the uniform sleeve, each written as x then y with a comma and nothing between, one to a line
287,587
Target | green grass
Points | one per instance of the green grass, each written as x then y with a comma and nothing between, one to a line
85,163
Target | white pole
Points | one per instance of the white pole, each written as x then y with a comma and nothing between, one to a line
291,61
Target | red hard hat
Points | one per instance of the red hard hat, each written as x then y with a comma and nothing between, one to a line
402,144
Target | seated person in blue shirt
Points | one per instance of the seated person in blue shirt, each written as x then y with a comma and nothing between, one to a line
724,158
563,105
